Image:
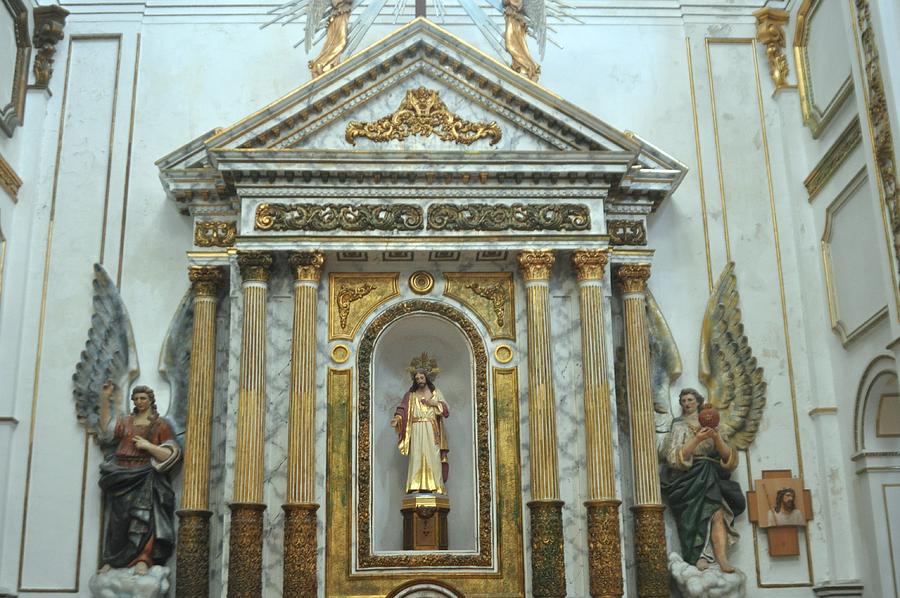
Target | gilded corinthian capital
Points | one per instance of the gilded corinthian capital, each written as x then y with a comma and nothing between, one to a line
307,265
590,263
255,265
634,277
205,279
536,264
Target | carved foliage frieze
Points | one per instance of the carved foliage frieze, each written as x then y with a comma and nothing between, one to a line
423,113
333,217
490,295
353,296
518,216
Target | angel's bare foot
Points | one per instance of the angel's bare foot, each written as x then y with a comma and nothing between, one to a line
702,564
105,568
141,568
726,568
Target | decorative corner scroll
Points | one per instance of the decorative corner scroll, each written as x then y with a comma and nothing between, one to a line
489,295
423,113
353,296
626,232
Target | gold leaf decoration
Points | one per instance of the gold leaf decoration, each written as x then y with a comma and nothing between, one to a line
423,113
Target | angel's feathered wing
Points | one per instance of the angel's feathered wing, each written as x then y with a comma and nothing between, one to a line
109,353
175,361
665,359
727,365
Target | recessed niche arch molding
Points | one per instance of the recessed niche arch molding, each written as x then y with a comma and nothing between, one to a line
400,331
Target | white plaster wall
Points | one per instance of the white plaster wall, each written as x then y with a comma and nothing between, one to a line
197,71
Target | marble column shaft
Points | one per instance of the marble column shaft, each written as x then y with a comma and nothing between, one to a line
604,546
192,553
547,558
300,508
245,555
649,527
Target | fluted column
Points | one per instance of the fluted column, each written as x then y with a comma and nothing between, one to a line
245,555
604,547
300,502
192,553
548,578
649,528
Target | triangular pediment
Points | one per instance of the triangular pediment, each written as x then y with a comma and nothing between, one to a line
359,107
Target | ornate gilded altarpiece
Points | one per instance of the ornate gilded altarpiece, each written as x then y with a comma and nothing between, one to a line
421,154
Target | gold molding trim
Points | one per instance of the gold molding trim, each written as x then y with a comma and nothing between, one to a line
423,113
881,137
365,556
814,117
215,233
9,180
355,295
421,282
837,324
490,295
340,353
770,24
12,110
504,353
822,411
834,158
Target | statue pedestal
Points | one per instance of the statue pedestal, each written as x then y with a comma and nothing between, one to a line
425,521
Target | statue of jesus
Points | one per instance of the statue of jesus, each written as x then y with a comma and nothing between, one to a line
419,422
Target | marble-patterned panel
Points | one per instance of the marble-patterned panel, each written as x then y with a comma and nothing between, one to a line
236,313
217,494
568,385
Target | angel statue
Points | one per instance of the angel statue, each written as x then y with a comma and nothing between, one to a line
141,447
701,446
517,17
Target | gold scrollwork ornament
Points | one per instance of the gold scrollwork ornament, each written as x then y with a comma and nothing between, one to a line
215,233
423,113
347,295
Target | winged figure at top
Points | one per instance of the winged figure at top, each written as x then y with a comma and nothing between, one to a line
343,24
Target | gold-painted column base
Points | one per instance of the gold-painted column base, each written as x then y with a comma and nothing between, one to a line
192,554
245,550
650,551
300,547
548,565
604,548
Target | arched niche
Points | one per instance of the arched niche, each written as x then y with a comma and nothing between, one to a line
425,589
403,331
877,385
403,339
